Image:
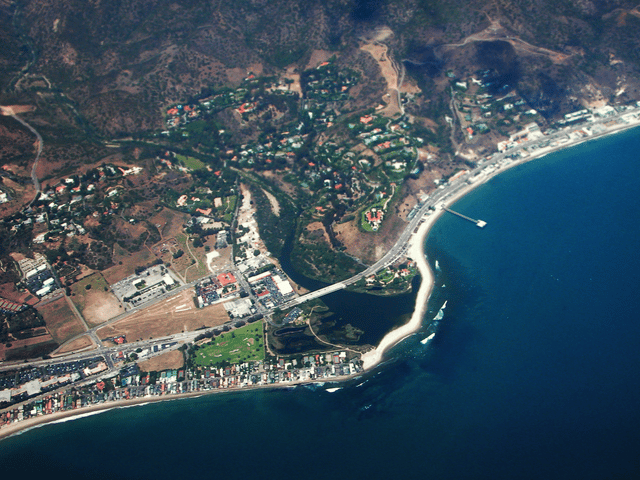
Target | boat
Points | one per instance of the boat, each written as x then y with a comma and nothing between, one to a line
424,341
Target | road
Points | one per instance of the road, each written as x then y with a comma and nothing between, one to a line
34,177
434,202
437,197
117,318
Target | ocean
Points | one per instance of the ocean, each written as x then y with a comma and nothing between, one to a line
534,371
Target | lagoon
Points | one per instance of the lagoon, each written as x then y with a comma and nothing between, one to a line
533,373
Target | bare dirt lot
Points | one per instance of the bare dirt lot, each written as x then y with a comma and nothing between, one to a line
77,345
16,109
17,345
390,73
165,318
126,263
169,222
61,322
96,304
9,291
163,362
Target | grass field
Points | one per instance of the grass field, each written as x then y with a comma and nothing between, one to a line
237,346
191,162
96,304
79,289
385,275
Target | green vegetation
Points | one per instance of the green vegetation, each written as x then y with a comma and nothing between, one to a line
245,344
191,163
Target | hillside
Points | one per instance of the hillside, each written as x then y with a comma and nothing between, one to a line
347,111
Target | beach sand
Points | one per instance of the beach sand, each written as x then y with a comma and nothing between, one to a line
17,427
416,251
371,358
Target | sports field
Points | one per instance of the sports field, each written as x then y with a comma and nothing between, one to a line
245,344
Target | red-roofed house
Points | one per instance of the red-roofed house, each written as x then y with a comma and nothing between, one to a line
226,279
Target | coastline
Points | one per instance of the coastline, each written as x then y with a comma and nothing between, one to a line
373,357
370,359
16,428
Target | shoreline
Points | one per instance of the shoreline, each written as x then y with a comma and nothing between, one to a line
373,357
16,428
370,359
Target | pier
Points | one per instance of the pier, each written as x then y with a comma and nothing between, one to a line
479,223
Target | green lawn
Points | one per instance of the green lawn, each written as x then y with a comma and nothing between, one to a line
385,275
363,219
191,162
244,344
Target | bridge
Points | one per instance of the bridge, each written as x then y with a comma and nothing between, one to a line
315,294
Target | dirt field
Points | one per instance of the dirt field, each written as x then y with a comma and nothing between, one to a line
389,72
169,222
317,57
163,362
23,194
379,53
96,304
78,344
129,263
275,205
16,109
9,291
170,316
61,322
18,344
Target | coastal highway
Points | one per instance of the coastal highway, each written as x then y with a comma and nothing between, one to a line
433,204
481,173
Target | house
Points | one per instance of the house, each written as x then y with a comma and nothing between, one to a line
226,279
204,211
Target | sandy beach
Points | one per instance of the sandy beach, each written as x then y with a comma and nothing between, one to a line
416,251
371,358
17,427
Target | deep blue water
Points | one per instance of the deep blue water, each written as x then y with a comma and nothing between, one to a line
534,372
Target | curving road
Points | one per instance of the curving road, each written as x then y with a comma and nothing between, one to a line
34,176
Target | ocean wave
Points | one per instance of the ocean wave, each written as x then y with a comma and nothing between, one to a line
79,416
